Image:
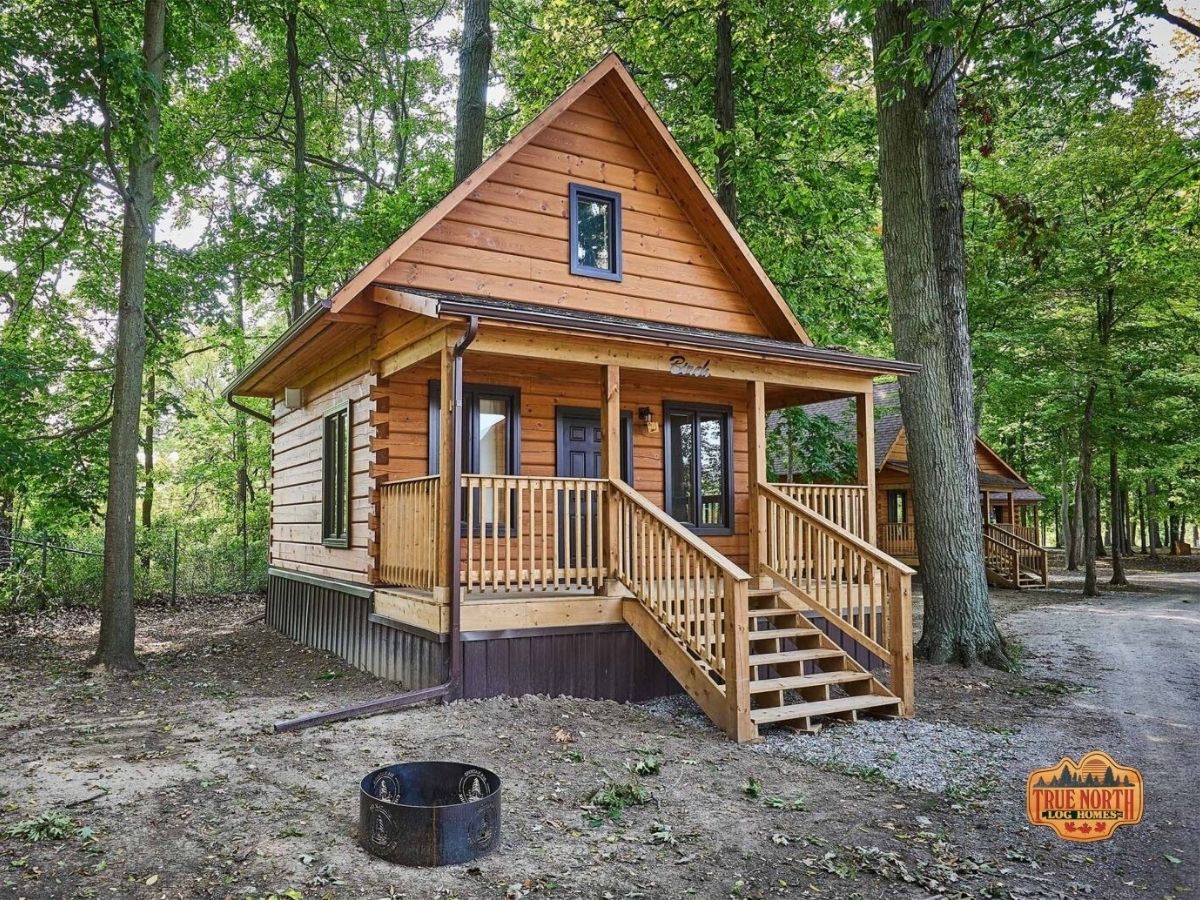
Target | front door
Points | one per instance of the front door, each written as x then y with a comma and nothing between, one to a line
579,443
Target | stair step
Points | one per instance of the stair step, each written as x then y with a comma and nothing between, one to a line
767,634
764,592
796,682
786,656
822,708
775,611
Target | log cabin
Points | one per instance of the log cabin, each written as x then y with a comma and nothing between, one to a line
1013,549
523,449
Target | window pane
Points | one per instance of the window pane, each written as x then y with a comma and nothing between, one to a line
594,223
712,470
493,426
680,465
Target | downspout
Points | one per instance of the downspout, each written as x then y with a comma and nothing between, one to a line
449,688
241,407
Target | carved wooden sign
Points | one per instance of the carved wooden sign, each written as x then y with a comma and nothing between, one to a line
681,366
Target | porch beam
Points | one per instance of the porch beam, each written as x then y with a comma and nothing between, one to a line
1012,509
864,410
610,468
506,341
756,427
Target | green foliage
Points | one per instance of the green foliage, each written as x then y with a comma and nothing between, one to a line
49,826
613,797
810,448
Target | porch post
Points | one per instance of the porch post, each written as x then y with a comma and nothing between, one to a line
610,468
865,414
756,429
446,487
1012,509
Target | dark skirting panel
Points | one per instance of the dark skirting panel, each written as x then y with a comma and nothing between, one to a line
603,662
335,617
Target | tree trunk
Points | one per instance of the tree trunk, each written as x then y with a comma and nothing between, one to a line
117,620
241,443
726,142
299,170
1088,490
1064,511
474,63
1141,523
1118,517
958,623
1075,548
6,531
148,466
1152,515
1098,525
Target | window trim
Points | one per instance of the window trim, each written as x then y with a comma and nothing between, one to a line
342,539
574,190
697,409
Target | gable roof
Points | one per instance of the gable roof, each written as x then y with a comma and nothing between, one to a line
611,80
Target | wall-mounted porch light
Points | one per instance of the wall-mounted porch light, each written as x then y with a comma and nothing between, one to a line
646,416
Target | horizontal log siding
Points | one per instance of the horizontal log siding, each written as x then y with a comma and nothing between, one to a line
296,466
545,387
331,620
509,239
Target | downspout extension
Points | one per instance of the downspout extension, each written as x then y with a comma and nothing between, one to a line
448,689
241,407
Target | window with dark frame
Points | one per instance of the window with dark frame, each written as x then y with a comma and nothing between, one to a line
335,477
698,450
897,503
595,232
491,441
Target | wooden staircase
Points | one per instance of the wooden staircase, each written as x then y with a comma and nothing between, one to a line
744,647
798,674
1012,561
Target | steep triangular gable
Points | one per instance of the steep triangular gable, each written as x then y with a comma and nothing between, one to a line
503,231
984,452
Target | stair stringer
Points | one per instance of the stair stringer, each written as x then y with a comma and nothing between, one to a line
694,677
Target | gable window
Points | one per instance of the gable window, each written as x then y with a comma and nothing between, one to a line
595,232
335,477
897,507
698,450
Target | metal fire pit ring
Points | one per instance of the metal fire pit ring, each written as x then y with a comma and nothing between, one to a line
429,813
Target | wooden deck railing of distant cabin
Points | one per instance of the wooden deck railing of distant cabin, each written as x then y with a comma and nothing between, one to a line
1018,554
843,504
408,532
898,539
859,589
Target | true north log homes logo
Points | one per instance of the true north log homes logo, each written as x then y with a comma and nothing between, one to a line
680,366
1085,801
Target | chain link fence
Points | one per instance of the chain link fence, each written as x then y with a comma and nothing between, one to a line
172,562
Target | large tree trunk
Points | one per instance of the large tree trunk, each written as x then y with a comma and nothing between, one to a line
148,466
1152,515
1088,490
958,623
6,531
299,169
1118,518
474,63
726,144
117,620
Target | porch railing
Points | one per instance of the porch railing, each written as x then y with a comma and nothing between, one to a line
898,538
1024,532
526,534
845,505
408,529
859,589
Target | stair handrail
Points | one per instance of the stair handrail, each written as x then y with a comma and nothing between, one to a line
685,616
994,530
1022,547
895,600
1012,557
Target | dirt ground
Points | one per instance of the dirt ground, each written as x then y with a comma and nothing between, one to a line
175,786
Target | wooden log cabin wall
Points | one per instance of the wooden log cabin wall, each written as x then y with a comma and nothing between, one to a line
615,522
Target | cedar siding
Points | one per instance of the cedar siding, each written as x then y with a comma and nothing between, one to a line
509,238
